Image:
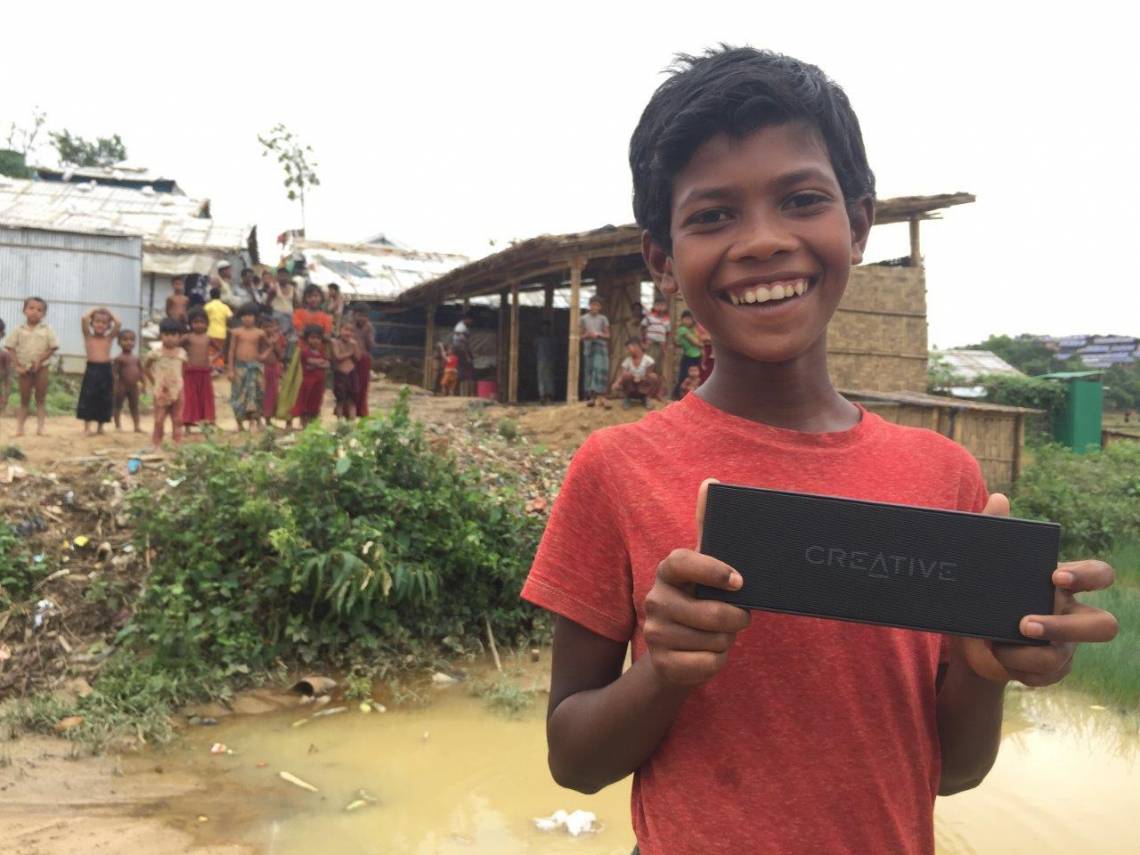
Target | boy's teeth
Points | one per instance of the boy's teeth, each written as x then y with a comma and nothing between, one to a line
764,293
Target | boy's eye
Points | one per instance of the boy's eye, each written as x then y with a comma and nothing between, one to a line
712,216
806,200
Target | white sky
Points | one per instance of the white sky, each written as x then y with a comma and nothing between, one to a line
450,125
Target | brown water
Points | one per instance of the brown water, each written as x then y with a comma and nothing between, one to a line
455,777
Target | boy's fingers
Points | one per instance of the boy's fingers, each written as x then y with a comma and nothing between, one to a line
685,567
676,637
702,497
1033,660
1080,623
1086,575
997,505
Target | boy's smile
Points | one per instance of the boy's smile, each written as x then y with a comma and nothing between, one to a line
762,242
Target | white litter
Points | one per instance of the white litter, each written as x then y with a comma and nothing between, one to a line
578,822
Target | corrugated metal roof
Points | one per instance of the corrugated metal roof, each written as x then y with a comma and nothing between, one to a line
166,221
371,272
972,364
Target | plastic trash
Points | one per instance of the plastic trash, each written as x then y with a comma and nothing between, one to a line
220,748
576,823
297,782
43,609
133,466
365,707
441,679
330,711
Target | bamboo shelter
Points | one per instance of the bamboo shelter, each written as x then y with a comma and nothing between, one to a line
877,341
993,433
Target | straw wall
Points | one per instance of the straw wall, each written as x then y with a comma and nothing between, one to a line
877,339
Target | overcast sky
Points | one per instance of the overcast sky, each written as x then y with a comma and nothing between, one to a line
447,126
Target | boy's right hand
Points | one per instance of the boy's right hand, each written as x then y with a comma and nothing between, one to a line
689,639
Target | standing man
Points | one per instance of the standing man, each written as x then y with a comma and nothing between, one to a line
222,279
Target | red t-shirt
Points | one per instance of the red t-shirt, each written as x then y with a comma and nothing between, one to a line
818,735
302,317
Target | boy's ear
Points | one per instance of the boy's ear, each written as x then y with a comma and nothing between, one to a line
862,216
660,264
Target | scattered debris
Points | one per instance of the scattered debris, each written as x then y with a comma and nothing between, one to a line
313,685
1097,707
66,724
220,748
330,711
379,707
578,822
441,679
365,707
361,799
535,654
297,782
12,472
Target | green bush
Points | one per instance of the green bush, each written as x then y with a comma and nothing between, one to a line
19,571
345,546
1094,496
1014,391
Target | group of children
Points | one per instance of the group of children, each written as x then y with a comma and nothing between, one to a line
638,378
274,373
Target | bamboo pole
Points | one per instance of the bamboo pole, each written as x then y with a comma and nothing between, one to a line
501,347
915,246
429,347
513,365
1018,442
574,360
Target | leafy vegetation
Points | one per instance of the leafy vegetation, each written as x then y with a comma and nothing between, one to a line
1094,496
296,162
74,150
1122,387
19,570
362,549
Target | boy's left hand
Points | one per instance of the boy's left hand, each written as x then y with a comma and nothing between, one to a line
1071,622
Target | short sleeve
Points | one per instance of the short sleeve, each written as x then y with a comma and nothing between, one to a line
582,568
52,338
972,491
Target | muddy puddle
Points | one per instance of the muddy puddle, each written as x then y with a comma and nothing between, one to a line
457,777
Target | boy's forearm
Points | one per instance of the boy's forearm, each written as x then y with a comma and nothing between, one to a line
599,736
969,727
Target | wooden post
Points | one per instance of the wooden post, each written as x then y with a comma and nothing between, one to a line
429,347
501,347
1018,442
513,364
915,247
548,302
574,358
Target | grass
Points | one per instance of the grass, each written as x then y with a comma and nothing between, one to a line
504,694
1111,672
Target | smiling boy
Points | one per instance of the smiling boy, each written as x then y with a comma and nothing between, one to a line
764,732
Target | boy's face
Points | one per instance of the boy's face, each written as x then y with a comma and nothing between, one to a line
360,318
198,325
170,339
34,312
752,218
659,307
687,320
313,300
247,321
633,349
282,277
127,342
177,285
99,323
313,340
346,333
694,372
595,307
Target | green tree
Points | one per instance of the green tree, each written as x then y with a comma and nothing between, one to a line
1122,387
296,160
74,150
19,142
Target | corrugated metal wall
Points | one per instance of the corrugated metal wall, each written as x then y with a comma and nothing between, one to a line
72,272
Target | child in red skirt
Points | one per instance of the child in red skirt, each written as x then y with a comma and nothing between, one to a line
274,359
197,373
314,364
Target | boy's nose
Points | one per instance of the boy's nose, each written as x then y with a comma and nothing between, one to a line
760,238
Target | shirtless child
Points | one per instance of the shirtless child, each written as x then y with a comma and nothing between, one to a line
178,303
129,379
345,352
96,394
249,348
198,390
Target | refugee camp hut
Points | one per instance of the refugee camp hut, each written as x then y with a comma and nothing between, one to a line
993,433
179,236
877,340
72,271
376,272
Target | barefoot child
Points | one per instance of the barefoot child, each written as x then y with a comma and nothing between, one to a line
274,359
248,347
637,380
178,303
757,731
314,364
449,381
129,379
97,393
164,371
30,347
5,373
366,335
345,350
198,385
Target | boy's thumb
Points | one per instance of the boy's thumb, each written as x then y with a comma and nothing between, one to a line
702,497
996,506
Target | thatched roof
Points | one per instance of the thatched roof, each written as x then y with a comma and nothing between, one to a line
545,259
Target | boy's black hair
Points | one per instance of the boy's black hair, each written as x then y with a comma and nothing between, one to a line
248,309
332,286
171,325
633,340
39,300
215,293
311,289
3,327
195,313
594,298
312,329
736,91
686,314
127,332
